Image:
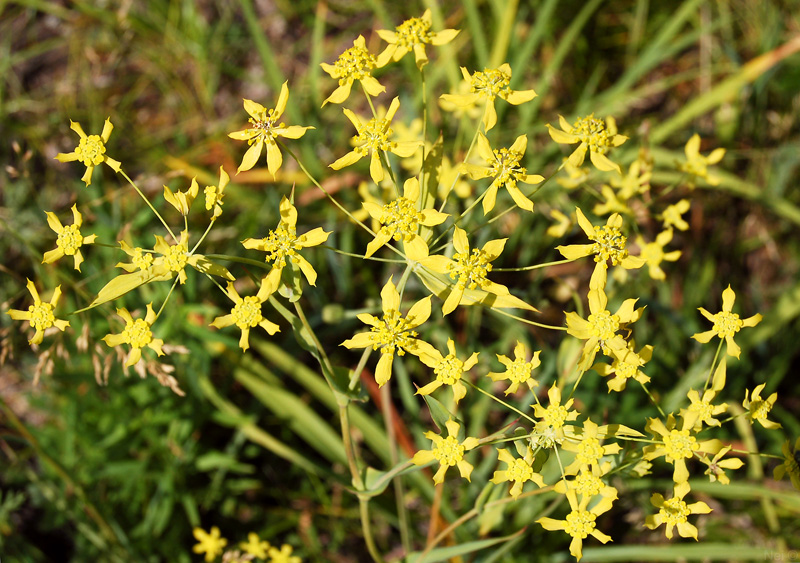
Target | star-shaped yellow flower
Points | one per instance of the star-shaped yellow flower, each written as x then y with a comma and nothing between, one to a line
487,85
137,333
518,370
246,311
356,63
69,239
696,165
518,471
283,243
447,451
580,522
503,165
91,150
373,139
393,333
266,128
677,444
209,543
674,512
593,135
40,315
400,219
653,253
448,370
412,35
726,323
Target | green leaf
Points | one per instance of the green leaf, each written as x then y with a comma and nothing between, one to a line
439,413
206,266
446,553
291,282
121,285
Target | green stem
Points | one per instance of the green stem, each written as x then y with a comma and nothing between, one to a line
150,205
652,399
399,493
534,267
502,402
166,299
711,369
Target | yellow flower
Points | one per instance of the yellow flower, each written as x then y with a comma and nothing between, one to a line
182,201
488,85
580,522
467,107
447,451
674,512
255,546
91,150
174,258
400,219
696,165
717,466
726,323
283,555
412,35
758,408
563,224
467,268
503,167
246,312
69,239
40,315
625,366
451,180
587,446
137,333
608,244
209,543
791,463
677,445
214,194
600,329
518,471
373,140
355,63
653,253
283,242
592,134
266,128
576,175
672,215
549,430
588,482
448,370
518,370
612,203
393,332
701,408
141,259
636,181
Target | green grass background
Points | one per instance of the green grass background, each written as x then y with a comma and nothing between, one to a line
123,471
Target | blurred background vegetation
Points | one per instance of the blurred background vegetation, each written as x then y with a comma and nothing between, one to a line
96,465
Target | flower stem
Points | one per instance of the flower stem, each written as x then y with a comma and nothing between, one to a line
150,205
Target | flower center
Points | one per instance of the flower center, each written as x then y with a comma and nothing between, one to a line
555,415
590,451
652,253
90,150
247,313
137,333
41,315
587,484
625,369
354,64
400,219
412,32
609,245
490,82
374,136
69,239
394,335
265,123
580,523
604,325
505,167
519,470
280,243
213,197
679,444
449,370
759,410
519,371
176,257
674,511
704,410
449,451
470,269
727,324
593,132
140,259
